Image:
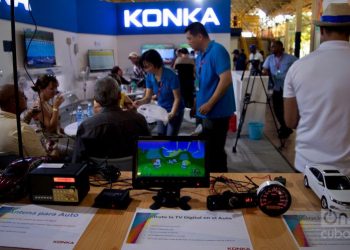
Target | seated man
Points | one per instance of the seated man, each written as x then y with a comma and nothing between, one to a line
139,73
111,132
8,125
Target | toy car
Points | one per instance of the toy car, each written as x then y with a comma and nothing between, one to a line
13,179
332,187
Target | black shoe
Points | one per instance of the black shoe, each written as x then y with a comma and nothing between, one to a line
284,133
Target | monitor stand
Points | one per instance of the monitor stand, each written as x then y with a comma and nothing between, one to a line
170,198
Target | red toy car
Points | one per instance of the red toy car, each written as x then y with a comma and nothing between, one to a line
13,179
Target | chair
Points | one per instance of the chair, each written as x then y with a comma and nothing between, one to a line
123,163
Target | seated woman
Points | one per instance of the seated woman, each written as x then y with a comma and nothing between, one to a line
117,74
48,103
45,110
164,83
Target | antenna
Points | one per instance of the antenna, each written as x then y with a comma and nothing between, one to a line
85,74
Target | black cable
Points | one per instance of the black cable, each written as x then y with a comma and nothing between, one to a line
25,65
15,79
107,172
255,185
30,41
237,184
42,125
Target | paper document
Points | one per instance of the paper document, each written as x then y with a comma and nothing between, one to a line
51,165
43,227
194,229
319,230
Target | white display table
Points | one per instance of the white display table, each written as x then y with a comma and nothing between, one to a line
139,91
255,111
71,129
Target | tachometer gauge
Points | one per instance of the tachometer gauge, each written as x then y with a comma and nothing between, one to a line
273,198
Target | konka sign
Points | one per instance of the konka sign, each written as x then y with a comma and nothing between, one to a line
162,17
172,17
16,2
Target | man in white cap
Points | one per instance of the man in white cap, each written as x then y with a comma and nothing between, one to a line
317,93
139,74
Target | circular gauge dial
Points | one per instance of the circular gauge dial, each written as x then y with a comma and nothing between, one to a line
273,198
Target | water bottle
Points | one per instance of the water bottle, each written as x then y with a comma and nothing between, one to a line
89,111
133,86
79,115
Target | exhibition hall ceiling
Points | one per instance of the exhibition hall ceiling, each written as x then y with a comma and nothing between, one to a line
242,7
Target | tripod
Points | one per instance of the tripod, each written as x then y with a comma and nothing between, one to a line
255,72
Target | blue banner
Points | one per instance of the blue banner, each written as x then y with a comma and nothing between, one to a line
172,17
60,14
96,17
99,17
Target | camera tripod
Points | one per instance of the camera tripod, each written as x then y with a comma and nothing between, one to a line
254,73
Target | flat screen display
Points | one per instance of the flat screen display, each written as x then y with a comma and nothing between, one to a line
101,60
39,48
170,161
166,51
185,45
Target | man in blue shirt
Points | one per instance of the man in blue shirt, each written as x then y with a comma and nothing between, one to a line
215,99
276,66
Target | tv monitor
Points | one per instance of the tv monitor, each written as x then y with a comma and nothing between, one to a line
170,163
166,51
185,45
101,60
39,48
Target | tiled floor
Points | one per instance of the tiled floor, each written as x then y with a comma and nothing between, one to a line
288,151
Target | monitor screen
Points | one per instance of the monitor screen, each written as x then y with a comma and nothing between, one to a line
166,51
185,45
170,162
39,48
100,60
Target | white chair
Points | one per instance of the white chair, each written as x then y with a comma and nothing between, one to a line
123,163
187,116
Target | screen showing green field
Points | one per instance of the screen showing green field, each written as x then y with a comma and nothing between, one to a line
171,158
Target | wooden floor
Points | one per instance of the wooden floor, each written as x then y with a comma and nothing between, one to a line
288,151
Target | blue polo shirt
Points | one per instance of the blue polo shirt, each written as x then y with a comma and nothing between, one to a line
164,88
209,65
279,68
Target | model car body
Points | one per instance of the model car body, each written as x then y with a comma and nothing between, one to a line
13,179
332,187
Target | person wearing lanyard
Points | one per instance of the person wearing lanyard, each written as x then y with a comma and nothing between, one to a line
215,101
276,66
164,83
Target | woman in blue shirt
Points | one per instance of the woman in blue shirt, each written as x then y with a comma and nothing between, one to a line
164,84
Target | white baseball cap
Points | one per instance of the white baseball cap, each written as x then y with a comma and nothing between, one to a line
133,55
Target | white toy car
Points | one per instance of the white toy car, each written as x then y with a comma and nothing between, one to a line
332,187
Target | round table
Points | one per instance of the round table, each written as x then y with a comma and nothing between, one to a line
71,129
134,94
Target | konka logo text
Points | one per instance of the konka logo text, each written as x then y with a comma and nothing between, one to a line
16,2
163,17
